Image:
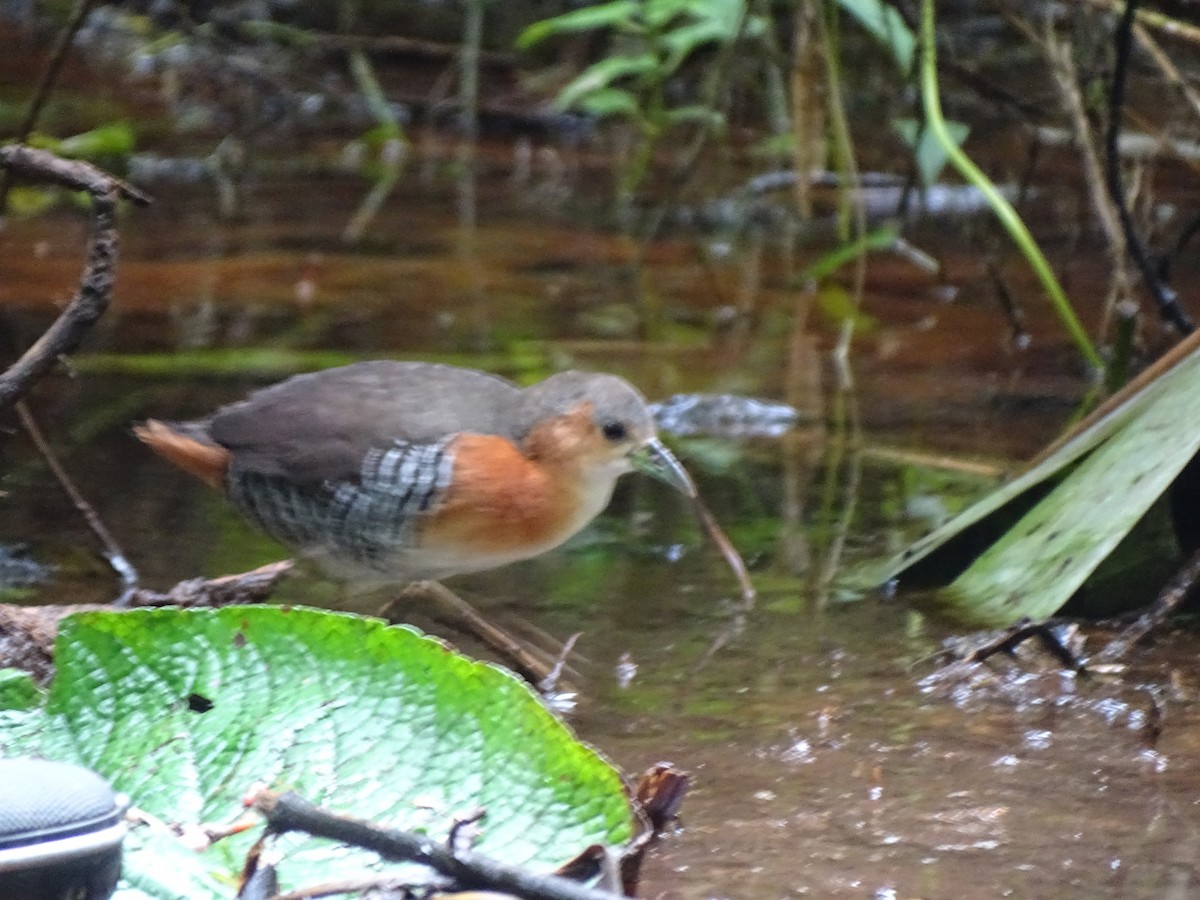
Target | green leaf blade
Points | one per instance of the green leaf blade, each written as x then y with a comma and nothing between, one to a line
1068,515
604,15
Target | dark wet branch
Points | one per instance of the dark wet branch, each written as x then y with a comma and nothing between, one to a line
1190,229
1164,296
95,284
73,174
1008,640
469,870
1167,601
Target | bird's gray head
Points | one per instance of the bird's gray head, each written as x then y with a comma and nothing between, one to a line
618,412
598,421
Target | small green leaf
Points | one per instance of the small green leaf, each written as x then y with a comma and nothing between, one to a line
827,265
106,141
609,102
930,154
185,710
604,15
658,13
602,75
18,690
838,306
887,26
695,114
683,41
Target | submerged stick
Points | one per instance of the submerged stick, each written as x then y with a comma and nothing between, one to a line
112,550
658,462
723,544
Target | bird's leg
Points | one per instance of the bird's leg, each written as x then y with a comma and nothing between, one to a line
439,601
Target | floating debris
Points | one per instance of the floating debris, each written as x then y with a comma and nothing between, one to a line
18,570
727,415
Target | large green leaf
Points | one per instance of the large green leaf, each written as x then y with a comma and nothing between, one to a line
1027,548
378,722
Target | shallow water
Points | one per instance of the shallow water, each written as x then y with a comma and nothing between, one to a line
821,765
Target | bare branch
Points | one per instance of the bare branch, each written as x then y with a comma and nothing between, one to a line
469,870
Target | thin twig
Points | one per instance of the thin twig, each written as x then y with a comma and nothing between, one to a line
73,174
1063,66
112,550
549,684
356,886
469,870
89,303
849,440
1008,640
1176,28
1164,296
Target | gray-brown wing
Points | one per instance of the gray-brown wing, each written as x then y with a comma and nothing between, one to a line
319,427
358,526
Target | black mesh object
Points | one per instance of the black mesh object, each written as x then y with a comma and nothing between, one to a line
43,801
60,832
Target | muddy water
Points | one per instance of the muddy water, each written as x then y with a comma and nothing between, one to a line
822,765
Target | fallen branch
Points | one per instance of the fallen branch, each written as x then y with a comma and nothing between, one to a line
468,869
27,633
1006,642
254,586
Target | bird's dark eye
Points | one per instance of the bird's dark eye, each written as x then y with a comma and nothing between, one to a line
614,431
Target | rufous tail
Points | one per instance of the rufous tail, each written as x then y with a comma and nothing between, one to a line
208,462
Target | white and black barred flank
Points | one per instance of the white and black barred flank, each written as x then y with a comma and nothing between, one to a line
366,520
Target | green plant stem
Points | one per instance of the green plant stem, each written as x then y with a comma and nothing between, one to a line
368,85
1001,208
389,125
468,70
839,130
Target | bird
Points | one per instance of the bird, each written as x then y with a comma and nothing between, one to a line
389,471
